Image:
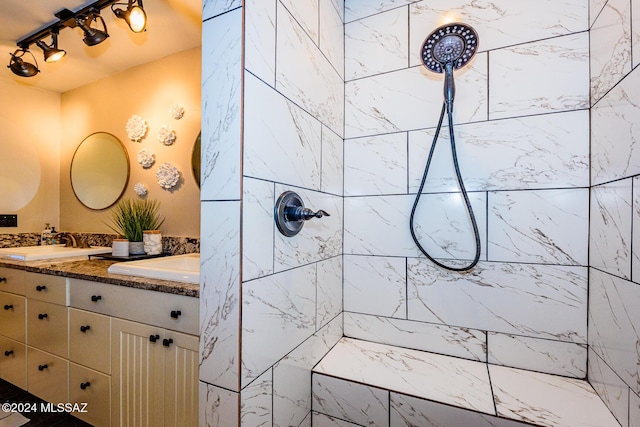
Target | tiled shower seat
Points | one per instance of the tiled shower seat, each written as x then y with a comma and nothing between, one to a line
360,383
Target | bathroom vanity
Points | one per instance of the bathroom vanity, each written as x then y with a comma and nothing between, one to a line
127,347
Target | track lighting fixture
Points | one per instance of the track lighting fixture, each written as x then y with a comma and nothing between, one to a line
51,52
92,36
135,16
20,67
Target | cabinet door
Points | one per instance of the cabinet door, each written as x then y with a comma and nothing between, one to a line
13,362
92,388
47,376
90,340
44,287
12,281
12,316
180,380
47,327
137,374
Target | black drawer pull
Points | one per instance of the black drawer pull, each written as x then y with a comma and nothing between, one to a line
175,314
3,279
85,385
8,353
84,328
154,338
167,342
8,307
40,288
96,298
42,316
42,367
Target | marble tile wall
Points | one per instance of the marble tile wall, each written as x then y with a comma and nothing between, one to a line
521,119
614,239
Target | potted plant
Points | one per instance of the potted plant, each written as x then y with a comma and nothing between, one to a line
130,218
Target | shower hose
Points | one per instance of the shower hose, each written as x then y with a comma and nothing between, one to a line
448,108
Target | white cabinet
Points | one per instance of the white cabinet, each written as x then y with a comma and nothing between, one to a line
90,340
13,327
13,310
93,388
13,362
47,376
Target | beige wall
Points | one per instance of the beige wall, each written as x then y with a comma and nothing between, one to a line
29,155
148,91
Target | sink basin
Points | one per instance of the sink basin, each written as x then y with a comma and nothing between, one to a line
35,253
180,268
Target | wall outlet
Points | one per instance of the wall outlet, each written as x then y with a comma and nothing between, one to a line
8,220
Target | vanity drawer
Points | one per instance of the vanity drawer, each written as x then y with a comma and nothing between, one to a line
44,287
90,339
13,310
12,280
47,327
13,362
170,311
94,389
47,376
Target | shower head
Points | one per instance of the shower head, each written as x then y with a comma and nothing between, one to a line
452,43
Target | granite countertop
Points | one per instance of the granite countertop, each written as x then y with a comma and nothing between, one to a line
96,270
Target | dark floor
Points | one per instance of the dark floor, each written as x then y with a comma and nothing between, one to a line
12,394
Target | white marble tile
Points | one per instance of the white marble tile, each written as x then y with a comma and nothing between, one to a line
635,238
357,9
332,178
613,392
614,324
540,77
322,420
358,403
278,313
377,44
221,99
635,32
452,381
521,299
450,340
567,402
320,238
256,402
307,421
282,142
260,39
329,295
408,411
211,8
331,40
540,355
409,99
498,23
375,285
257,228
376,165
304,75
218,406
220,294
544,151
545,226
615,120
292,375
610,47
634,410
595,8
610,228
306,14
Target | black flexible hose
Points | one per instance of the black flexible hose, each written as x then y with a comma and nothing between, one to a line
448,107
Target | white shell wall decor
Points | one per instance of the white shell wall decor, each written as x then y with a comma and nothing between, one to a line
140,189
176,111
136,128
167,175
146,158
166,135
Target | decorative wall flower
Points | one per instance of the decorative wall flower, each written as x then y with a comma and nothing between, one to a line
167,175
176,111
140,189
166,135
146,158
136,128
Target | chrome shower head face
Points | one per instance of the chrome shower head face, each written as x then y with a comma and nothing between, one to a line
452,43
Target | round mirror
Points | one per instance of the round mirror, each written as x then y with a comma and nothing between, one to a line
99,170
195,160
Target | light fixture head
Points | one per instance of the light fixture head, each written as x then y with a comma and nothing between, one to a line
20,67
135,16
92,36
51,52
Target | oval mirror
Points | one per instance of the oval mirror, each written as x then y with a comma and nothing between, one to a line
99,170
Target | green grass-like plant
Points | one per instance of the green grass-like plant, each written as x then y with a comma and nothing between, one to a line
130,218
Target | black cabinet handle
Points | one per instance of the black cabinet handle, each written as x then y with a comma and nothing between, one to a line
167,342
96,298
42,316
3,279
40,288
8,353
154,338
175,314
85,385
42,367
84,328
8,307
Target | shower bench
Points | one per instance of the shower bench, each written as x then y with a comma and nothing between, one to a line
361,383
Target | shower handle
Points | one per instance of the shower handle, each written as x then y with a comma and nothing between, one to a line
290,213
449,86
